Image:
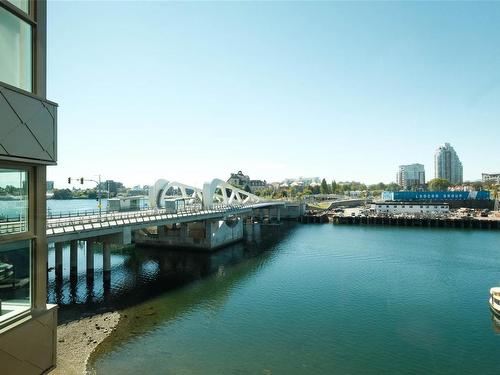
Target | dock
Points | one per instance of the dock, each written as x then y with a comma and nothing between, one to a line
426,222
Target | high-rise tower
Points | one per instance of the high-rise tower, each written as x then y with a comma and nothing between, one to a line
411,177
447,165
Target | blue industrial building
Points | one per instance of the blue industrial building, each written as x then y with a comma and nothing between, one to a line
442,196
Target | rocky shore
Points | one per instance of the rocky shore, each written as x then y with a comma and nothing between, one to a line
78,339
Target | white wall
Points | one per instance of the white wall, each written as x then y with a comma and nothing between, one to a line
410,208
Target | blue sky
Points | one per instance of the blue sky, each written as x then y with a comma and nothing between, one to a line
346,91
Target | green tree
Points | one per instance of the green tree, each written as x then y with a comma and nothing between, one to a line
438,184
324,189
392,187
307,191
477,186
62,194
334,186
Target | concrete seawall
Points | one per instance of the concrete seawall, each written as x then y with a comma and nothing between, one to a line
418,222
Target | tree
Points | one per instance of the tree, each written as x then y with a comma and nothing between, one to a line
438,184
247,189
324,189
114,187
334,186
477,185
392,187
307,191
62,194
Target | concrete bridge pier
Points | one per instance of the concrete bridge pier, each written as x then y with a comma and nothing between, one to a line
127,235
184,230
59,259
106,257
73,259
161,230
90,256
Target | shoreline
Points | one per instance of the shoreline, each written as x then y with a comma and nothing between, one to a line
76,340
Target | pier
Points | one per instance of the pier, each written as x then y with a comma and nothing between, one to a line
426,222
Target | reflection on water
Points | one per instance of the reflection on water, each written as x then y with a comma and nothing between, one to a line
138,274
323,300
495,320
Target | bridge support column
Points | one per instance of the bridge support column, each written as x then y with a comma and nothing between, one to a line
184,230
73,259
90,256
278,214
106,257
59,261
127,235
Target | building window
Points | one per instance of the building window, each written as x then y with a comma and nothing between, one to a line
16,47
13,201
15,243
21,4
15,279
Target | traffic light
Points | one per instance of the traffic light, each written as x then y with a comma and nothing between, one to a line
81,180
69,180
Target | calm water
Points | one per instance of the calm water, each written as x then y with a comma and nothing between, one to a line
13,208
324,300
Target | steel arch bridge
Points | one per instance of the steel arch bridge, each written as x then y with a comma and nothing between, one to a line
216,192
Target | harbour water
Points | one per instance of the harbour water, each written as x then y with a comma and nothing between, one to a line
305,299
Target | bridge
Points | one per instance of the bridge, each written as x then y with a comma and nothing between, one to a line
208,218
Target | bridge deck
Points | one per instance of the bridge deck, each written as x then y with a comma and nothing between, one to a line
70,228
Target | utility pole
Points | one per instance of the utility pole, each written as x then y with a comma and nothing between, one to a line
98,184
99,195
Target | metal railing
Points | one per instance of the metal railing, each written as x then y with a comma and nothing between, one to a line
86,212
13,227
145,215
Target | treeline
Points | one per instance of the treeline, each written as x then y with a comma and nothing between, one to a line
343,188
11,190
74,194
93,193
363,190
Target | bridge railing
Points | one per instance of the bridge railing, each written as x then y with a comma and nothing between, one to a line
152,214
86,212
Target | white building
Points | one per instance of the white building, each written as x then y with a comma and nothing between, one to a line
491,177
447,165
411,176
242,180
413,208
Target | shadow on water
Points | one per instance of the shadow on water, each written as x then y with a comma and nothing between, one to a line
140,274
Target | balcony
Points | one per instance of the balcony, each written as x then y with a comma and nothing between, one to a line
28,126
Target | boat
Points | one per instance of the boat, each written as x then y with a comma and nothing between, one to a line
495,300
6,272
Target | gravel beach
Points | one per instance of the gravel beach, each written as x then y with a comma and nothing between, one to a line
77,340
